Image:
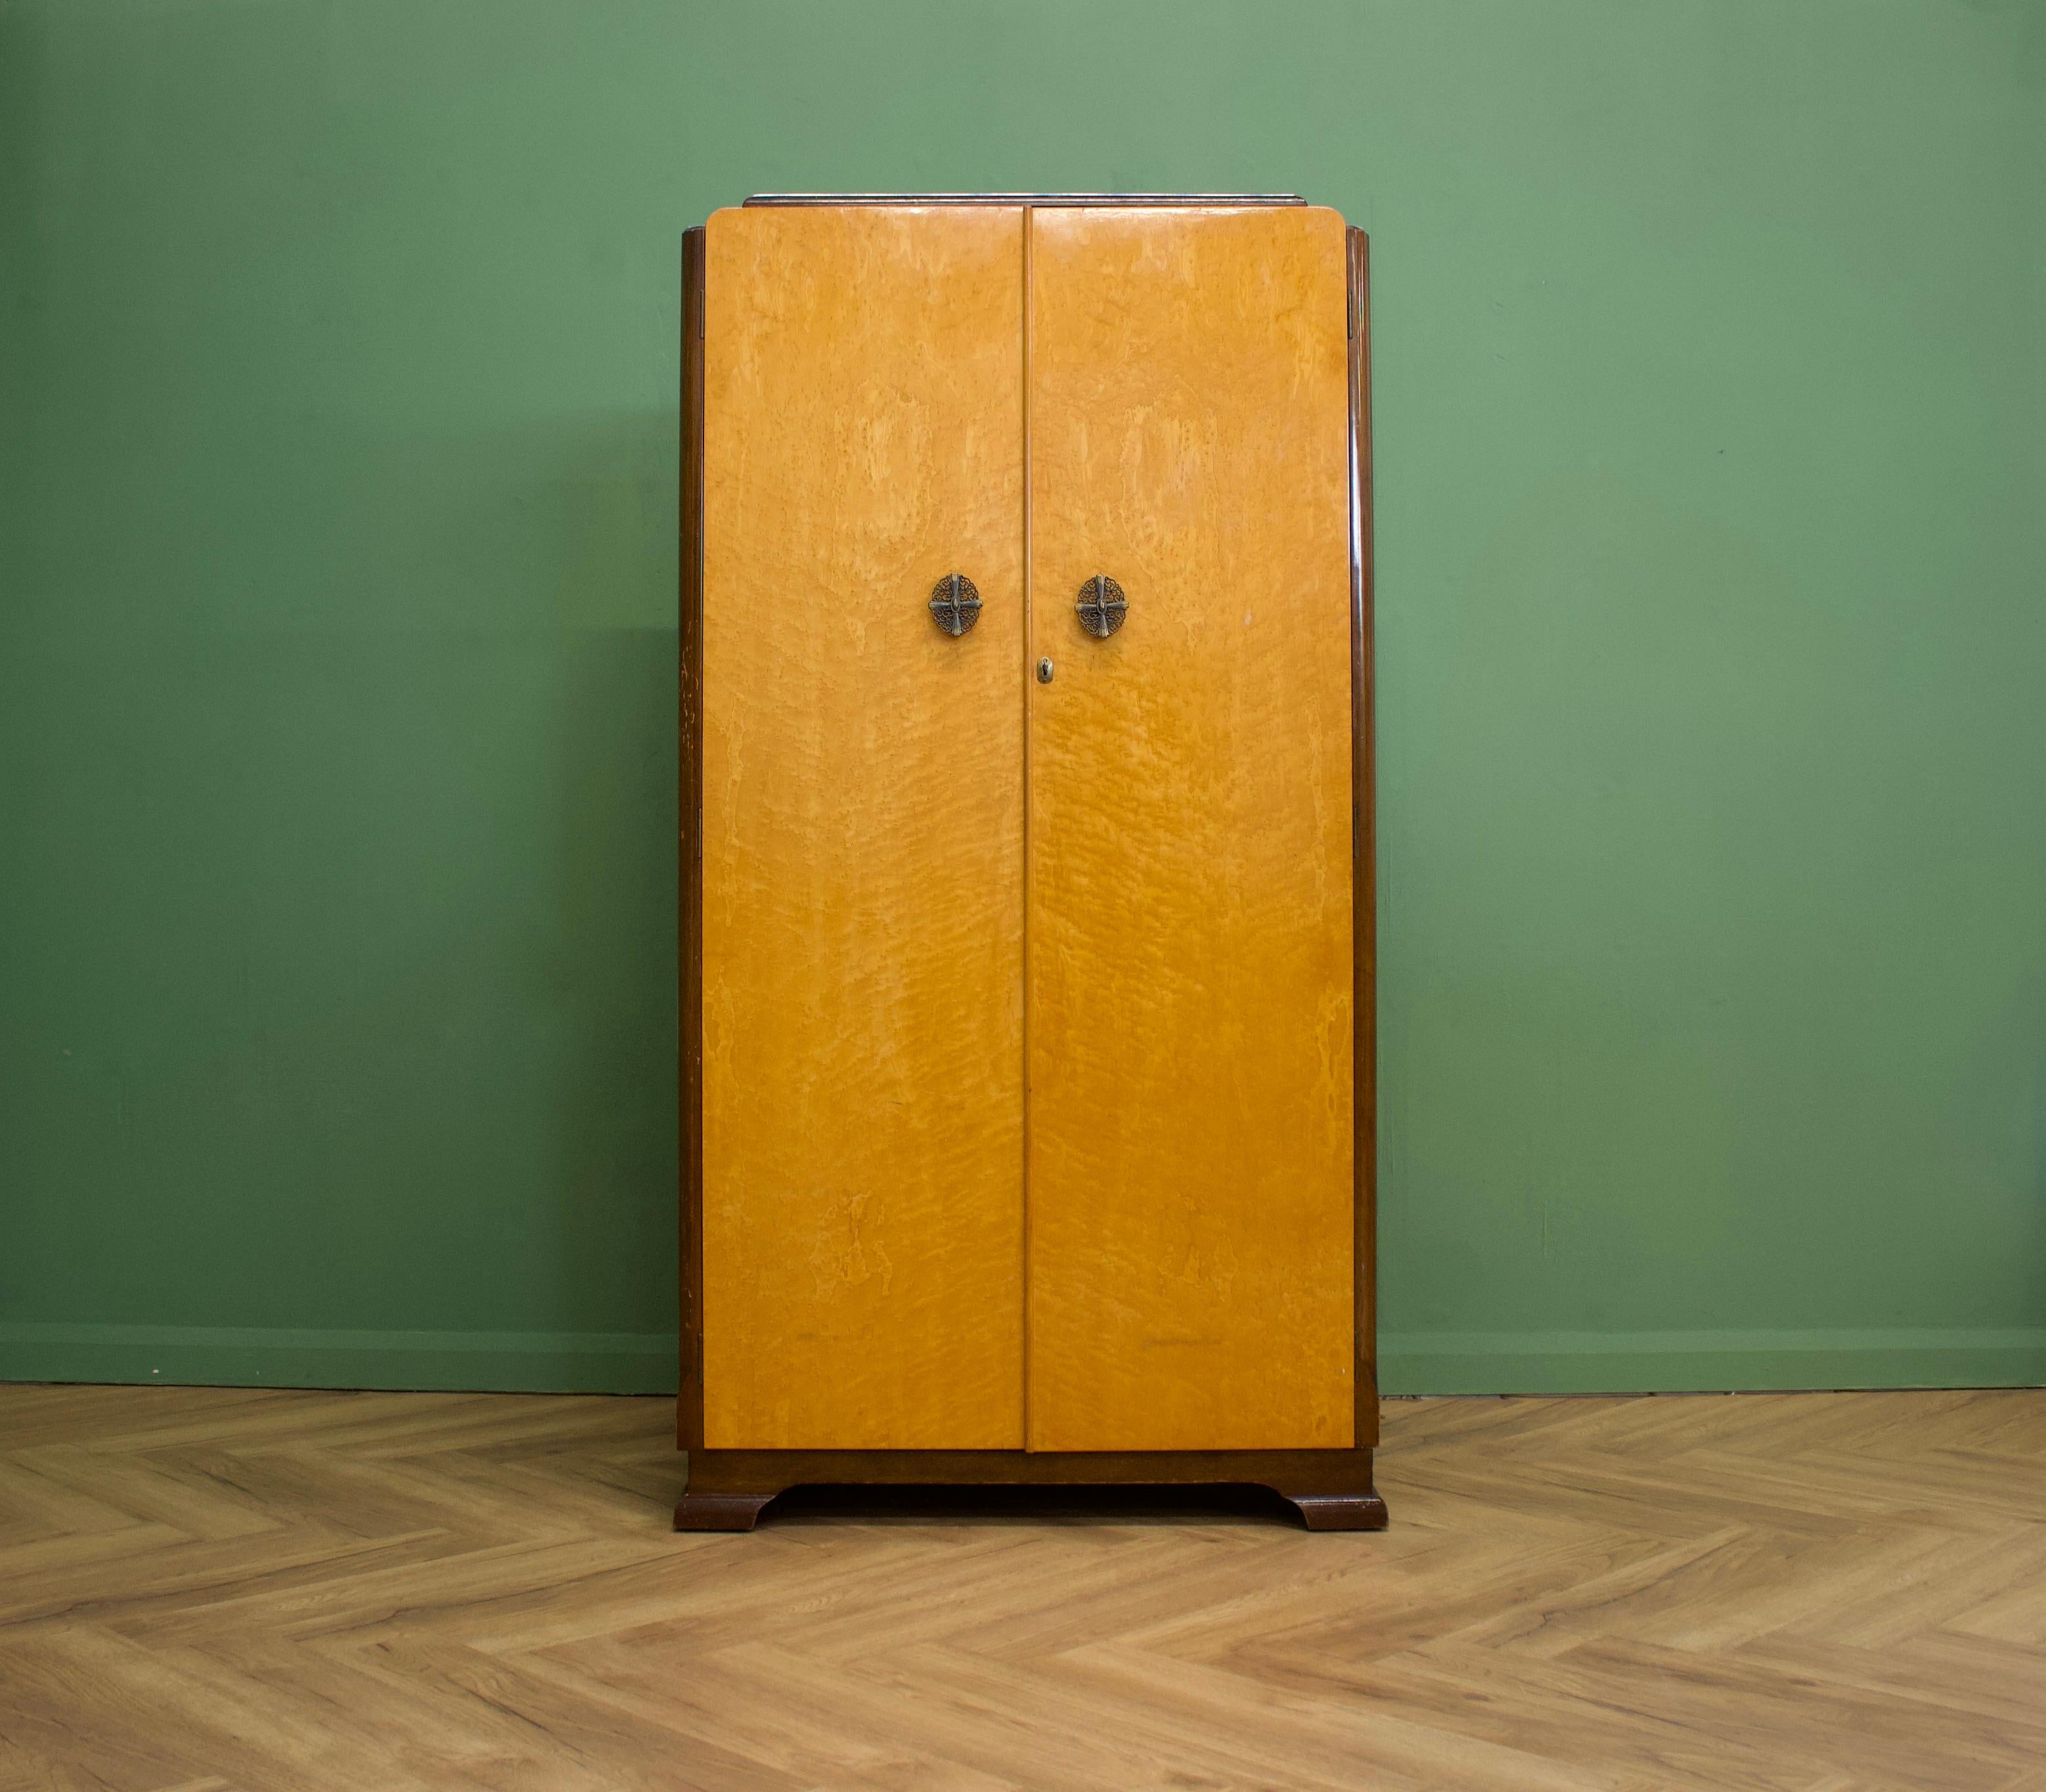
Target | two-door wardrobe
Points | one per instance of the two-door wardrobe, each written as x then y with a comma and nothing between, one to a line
1026,848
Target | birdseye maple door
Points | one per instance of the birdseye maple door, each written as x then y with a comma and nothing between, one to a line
1027,1061
1191,1182
863,830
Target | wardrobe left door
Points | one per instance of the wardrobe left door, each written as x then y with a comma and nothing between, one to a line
863,779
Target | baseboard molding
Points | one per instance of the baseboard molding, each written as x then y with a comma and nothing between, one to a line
1410,1362
1432,1362
494,1361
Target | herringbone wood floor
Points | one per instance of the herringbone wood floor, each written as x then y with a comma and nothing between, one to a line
207,1589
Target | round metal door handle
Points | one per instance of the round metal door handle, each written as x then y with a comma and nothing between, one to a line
955,603
1101,606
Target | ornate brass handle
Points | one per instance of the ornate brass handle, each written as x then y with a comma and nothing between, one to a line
955,603
1101,606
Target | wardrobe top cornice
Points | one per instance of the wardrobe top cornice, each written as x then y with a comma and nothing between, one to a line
1026,199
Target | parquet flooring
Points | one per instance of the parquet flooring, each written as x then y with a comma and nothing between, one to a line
209,1589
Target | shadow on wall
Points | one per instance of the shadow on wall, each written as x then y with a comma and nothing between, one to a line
619,876
618,907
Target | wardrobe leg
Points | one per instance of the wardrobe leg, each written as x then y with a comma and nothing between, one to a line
719,1512
1361,1511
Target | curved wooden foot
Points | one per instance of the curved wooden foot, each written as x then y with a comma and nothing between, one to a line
719,1512
1338,1512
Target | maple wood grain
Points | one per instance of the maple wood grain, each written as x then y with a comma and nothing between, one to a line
863,785
1191,992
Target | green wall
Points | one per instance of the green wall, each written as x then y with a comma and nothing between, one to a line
337,422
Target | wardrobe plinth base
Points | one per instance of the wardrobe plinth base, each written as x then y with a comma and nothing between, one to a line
1330,1489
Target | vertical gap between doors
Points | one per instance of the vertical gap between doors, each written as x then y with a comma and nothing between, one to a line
1028,672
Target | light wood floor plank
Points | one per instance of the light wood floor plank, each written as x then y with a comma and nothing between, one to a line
210,1589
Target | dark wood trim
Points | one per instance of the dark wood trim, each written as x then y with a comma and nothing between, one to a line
719,1512
1339,1512
1364,838
1025,199
1331,1489
689,1407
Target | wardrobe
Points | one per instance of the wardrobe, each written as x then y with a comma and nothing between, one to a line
1026,848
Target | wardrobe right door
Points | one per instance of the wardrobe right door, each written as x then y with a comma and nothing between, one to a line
1190,1178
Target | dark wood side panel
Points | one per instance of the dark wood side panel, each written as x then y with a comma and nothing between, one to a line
1365,835
689,1407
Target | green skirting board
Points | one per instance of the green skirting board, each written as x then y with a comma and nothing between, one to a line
236,1356
1474,1363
